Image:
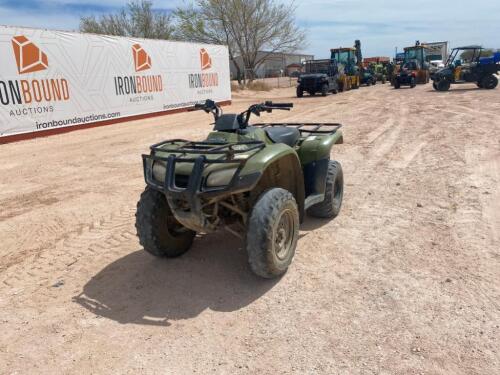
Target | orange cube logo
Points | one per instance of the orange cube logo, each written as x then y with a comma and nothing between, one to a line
29,57
142,60
205,59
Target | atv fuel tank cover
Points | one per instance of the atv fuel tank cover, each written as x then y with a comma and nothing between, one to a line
229,122
283,134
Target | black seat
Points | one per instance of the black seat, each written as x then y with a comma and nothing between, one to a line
283,134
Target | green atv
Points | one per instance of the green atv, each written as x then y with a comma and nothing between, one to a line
255,181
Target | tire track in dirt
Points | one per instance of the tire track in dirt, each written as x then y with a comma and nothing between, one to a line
366,288
97,241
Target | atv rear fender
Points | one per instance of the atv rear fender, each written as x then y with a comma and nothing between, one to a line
316,148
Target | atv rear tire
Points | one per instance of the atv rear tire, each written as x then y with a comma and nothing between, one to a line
272,233
434,85
413,83
300,92
324,90
397,85
158,231
489,82
330,207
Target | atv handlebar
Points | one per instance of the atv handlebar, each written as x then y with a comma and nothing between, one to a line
279,105
211,107
257,109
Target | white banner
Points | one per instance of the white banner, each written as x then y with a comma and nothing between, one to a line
55,79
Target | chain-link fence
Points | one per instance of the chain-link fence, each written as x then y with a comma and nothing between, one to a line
274,82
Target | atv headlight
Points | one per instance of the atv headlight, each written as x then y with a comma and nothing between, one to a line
221,178
159,171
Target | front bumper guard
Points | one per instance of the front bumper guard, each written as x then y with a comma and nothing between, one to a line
186,202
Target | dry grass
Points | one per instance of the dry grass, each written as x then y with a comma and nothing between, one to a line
258,86
235,87
252,86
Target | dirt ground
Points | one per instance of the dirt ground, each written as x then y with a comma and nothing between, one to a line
405,281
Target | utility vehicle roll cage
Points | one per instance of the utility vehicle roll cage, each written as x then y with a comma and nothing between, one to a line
474,58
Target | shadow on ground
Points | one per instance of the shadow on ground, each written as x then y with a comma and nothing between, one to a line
457,90
141,289
214,274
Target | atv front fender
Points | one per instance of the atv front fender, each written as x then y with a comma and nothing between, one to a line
278,165
260,161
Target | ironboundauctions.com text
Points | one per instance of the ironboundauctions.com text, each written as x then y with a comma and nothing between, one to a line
76,120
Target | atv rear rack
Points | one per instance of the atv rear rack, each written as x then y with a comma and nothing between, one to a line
307,128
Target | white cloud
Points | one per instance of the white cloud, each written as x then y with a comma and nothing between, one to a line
380,26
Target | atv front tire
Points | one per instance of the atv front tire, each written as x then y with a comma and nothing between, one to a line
272,233
158,231
300,92
330,207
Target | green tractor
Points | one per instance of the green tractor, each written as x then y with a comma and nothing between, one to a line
379,70
255,181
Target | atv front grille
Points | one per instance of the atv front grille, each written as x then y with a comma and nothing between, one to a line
181,180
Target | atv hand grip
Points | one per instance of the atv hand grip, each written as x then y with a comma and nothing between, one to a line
199,106
281,105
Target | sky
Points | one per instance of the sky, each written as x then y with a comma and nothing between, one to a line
380,25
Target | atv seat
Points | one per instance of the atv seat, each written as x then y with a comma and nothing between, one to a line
283,134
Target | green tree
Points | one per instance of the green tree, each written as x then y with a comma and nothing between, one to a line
467,55
138,19
247,27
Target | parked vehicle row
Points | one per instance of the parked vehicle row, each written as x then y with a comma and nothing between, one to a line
345,70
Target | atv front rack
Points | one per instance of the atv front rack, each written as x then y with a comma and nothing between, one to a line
229,150
201,155
307,129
